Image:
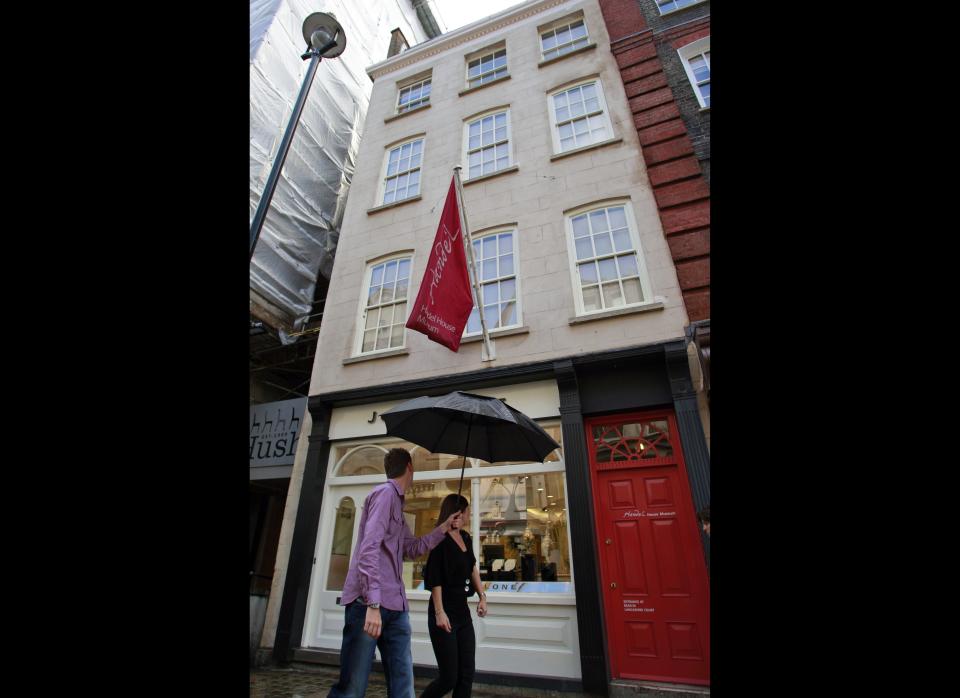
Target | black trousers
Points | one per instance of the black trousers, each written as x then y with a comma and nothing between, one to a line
455,657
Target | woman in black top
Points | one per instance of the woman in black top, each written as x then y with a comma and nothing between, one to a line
450,570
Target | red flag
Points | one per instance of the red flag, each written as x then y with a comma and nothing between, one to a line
444,302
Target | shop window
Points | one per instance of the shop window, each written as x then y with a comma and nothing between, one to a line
554,457
342,544
523,533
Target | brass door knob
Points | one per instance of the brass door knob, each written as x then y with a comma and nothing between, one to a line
608,541
613,585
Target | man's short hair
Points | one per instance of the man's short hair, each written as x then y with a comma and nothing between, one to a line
704,515
395,462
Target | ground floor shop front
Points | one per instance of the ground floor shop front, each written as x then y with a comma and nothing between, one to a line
593,562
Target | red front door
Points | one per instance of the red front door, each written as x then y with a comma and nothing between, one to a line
652,571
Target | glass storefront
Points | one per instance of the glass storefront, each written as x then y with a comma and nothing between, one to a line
518,513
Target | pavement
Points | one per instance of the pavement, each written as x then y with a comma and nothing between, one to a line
315,682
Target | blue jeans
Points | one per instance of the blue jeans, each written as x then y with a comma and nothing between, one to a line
356,653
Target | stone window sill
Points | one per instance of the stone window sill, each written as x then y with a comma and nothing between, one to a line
496,334
467,91
481,178
583,149
393,204
703,109
549,61
617,312
399,351
406,113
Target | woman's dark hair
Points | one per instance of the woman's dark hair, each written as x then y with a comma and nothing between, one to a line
450,507
704,514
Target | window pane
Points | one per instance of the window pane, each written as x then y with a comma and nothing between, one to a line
489,269
566,131
591,298
505,242
391,273
580,227
417,148
383,338
508,314
632,291
578,30
549,41
584,248
365,460
473,322
588,273
608,269
618,218
396,336
506,265
621,240
474,171
421,509
523,532
342,544
489,247
402,285
373,318
628,265
508,289
602,243
598,221
612,296
502,151
374,297
369,338
491,313
400,313
490,293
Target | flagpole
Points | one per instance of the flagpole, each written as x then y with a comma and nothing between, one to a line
487,341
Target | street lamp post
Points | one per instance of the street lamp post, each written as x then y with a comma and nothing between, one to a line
325,39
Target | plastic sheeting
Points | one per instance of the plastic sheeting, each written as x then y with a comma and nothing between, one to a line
302,227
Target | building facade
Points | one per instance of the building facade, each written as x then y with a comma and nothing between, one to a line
593,561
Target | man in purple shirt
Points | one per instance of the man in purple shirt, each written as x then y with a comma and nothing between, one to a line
377,614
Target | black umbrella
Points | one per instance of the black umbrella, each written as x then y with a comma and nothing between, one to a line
469,425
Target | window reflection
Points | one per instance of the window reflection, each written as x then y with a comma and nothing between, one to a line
342,544
523,529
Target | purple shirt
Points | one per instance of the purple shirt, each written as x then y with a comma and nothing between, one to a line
385,539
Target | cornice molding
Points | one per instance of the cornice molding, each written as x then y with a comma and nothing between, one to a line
446,42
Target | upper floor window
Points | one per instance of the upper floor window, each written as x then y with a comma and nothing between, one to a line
413,96
696,61
578,116
385,306
496,268
487,68
671,5
563,39
488,144
609,270
402,176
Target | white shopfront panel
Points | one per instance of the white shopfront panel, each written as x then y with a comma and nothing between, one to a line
532,634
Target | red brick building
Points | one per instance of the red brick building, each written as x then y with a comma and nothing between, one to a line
663,50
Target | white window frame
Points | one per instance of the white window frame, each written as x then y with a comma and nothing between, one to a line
560,24
643,273
552,113
480,56
692,50
382,188
465,151
409,84
479,236
365,294
677,6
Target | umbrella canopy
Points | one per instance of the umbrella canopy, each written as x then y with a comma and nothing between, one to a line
464,424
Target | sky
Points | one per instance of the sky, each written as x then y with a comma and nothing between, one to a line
457,13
